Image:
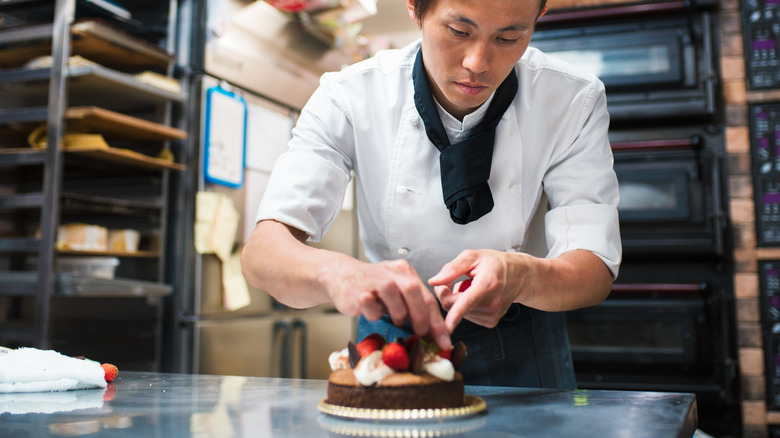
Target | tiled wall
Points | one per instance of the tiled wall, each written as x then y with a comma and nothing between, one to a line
746,254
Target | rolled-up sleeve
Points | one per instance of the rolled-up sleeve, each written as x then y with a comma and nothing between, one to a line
590,227
582,188
307,185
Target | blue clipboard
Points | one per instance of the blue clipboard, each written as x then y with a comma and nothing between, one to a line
225,137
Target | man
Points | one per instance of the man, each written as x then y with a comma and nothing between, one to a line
474,158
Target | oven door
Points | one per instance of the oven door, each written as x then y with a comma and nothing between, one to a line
653,68
653,336
670,200
631,333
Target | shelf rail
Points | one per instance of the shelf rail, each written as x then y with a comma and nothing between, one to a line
64,14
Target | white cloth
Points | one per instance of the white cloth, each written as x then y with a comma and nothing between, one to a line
551,144
33,370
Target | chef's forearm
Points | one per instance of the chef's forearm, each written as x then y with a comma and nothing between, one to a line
276,260
571,281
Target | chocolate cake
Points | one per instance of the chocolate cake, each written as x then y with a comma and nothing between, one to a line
405,374
398,391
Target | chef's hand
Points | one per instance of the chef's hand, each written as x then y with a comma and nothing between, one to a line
391,287
497,278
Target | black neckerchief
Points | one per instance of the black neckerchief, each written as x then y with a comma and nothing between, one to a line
465,166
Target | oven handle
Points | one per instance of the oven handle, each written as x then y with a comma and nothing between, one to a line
681,288
695,142
299,327
281,340
718,217
613,12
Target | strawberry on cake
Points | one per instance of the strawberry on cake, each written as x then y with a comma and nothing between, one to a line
403,374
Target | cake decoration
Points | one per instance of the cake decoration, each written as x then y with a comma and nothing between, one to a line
395,356
409,373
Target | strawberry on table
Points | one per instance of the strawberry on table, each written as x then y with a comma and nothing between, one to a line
110,370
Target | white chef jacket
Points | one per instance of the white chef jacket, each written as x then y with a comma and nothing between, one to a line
551,178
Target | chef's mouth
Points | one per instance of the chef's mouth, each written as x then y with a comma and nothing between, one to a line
470,89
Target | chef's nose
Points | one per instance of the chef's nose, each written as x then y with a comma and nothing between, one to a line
477,57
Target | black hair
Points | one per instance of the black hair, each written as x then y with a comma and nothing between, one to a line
421,7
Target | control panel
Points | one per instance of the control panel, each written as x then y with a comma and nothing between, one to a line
765,150
769,278
761,33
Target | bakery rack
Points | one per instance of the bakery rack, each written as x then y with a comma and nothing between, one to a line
77,64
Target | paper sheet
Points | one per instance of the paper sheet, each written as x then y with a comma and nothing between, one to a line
205,210
222,235
235,292
216,225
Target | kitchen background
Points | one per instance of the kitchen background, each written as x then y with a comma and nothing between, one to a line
122,246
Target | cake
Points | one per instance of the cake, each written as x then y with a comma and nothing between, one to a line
403,374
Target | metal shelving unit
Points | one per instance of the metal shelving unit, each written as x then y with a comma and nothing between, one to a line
122,185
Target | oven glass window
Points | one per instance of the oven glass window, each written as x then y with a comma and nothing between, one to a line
645,59
620,61
648,195
652,195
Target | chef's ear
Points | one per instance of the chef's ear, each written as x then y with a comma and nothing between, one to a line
412,14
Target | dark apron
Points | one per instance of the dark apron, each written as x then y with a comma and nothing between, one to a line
528,348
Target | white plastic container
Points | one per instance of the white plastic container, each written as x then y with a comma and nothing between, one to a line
100,267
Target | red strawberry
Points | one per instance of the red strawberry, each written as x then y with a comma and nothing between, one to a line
110,370
465,284
410,341
395,356
379,339
370,344
445,353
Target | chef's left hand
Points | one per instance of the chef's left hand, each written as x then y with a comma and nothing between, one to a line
497,280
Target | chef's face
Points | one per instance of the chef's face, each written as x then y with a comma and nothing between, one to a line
470,46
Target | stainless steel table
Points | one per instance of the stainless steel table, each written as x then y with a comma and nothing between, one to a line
182,405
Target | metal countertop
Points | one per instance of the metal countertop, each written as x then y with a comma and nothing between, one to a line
182,405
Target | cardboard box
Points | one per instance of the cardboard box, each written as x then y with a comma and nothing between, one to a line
82,237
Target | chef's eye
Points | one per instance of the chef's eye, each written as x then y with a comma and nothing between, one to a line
507,40
458,33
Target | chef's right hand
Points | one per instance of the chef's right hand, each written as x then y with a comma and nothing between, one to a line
392,287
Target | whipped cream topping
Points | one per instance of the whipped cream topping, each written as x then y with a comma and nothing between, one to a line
372,369
339,360
439,367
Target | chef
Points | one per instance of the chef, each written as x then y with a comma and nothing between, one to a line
486,197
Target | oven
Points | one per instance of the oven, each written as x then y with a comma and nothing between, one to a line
671,196
654,66
666,326
651,332
669,322
648,329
